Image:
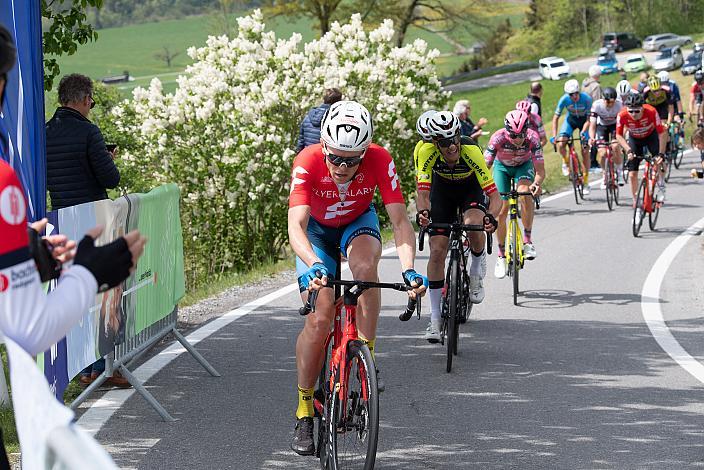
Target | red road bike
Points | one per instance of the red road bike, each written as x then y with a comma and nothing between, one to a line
647,199
347,400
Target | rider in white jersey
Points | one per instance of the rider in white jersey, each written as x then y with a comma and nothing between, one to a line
602,128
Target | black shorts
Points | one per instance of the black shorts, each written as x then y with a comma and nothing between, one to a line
662,110
446,196
651,142
605,133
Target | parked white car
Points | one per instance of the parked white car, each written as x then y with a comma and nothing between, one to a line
554,68
657,42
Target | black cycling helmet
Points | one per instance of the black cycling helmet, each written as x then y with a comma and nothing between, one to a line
8,53
699,76
609,93
633,100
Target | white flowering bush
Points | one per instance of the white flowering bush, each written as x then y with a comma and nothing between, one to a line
227,135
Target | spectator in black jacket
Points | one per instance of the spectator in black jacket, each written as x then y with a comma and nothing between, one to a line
310,127
79,166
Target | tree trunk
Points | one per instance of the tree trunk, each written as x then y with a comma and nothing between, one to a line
405,22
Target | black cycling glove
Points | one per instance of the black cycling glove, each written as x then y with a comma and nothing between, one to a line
110,264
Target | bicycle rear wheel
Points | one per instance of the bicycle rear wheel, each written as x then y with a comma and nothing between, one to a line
668,165
453,326
679,153
639,210
608,180
655,212
354,426
574,167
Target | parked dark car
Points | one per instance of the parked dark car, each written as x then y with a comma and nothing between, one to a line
620,41
692,63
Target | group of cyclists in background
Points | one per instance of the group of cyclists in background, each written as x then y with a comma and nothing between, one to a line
331,214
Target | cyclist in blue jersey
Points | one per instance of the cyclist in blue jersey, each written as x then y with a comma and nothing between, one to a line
578,105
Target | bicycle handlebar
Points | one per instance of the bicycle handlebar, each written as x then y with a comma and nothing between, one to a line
516,194
412,306
456,227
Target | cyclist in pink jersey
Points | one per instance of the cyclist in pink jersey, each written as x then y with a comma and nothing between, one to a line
515,153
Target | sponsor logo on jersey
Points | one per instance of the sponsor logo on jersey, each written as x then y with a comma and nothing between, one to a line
12,206
4,283
299,170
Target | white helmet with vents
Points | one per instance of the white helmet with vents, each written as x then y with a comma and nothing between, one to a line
347,125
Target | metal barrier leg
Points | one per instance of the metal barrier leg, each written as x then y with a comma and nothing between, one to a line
147,396
206,365
89,389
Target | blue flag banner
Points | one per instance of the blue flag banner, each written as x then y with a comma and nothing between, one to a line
22,118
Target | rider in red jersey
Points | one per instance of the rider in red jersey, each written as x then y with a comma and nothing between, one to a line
331,213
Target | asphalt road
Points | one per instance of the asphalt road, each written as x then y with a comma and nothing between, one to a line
576,66
570,378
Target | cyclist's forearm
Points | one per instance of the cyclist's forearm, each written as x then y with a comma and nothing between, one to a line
423,200
662,137
592,129
539,172
297,224
555,121
622,142
404,236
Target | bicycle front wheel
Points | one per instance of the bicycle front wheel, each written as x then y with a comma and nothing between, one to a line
516,257
668,166
655,207
354,426
453,325
678,156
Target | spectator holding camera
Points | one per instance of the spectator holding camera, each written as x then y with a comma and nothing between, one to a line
79,166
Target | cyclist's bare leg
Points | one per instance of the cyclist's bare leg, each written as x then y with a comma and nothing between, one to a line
633,178
562,147
600,154
527,205
476,239
363,254
311,340
586,163
501,230
617,154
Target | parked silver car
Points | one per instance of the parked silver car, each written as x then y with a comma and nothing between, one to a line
668,59
657,42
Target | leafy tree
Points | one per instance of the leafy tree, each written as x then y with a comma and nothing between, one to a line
322,11
68,27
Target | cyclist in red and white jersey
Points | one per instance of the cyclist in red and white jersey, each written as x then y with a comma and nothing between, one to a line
331,213
696,94
602,127
645,130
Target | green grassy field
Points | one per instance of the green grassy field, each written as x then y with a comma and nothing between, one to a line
134,48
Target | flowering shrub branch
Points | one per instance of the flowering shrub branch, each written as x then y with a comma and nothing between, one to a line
226,135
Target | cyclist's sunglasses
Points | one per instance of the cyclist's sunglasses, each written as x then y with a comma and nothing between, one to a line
576,93
635,110
338,160
519,135
445,143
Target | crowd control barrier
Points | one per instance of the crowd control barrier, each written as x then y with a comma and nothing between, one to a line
128,320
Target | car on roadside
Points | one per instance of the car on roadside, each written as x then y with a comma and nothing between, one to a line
554,68
698,47
658,42
635,63
692,63
668,59
607,61
620,41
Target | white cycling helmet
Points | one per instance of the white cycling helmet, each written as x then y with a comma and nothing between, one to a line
347,125
571,86
443,125
623,87
422,125
664,76
594,71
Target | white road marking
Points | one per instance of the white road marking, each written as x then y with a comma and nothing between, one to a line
650,304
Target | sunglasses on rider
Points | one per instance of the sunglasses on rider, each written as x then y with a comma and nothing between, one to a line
517,135
338,160
635,110
445,143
